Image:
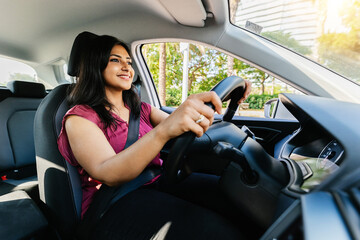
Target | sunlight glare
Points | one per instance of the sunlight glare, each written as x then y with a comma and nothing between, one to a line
333,22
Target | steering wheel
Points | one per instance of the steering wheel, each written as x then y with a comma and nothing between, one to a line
174,168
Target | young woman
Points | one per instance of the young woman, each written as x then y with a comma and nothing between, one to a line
93,138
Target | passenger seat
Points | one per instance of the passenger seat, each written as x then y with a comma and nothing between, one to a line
17,151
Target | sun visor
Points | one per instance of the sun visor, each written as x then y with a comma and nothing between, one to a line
187,12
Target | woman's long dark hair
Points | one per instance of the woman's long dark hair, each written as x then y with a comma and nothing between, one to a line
90,86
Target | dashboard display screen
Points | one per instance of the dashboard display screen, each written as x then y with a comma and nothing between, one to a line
316,168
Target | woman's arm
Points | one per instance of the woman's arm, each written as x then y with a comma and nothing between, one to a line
94,153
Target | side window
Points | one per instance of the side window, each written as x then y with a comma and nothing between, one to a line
11,70
203,67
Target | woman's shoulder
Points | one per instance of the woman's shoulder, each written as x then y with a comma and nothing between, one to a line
84,111
81,108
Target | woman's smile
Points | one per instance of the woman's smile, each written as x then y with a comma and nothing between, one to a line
124,76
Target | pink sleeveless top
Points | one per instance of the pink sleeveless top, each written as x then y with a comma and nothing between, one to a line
117,139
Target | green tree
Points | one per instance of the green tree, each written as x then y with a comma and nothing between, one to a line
350,13
285,39
256,76
207,67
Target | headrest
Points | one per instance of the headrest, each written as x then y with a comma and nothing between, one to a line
81,42
27,89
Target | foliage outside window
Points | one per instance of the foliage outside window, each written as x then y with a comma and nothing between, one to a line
206,68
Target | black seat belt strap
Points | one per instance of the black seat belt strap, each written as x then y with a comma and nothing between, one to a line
103,199
133,132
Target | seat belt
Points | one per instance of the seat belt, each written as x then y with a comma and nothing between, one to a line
115,193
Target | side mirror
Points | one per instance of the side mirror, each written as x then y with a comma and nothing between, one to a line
274,108
270,108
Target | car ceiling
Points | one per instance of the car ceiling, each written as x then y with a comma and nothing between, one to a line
42,31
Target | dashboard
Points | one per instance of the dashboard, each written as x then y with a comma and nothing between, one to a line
323,155
316,150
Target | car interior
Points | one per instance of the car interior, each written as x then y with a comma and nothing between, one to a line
293,174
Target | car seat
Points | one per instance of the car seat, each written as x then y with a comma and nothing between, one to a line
17,151
59,182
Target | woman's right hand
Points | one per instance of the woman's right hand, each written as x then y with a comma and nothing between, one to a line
184,118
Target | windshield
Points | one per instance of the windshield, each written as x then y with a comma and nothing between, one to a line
326,31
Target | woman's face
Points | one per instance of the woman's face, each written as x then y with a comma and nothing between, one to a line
118,73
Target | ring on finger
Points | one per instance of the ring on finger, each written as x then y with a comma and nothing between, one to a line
200,119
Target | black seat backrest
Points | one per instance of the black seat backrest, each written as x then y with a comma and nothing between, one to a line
59,182
17,112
